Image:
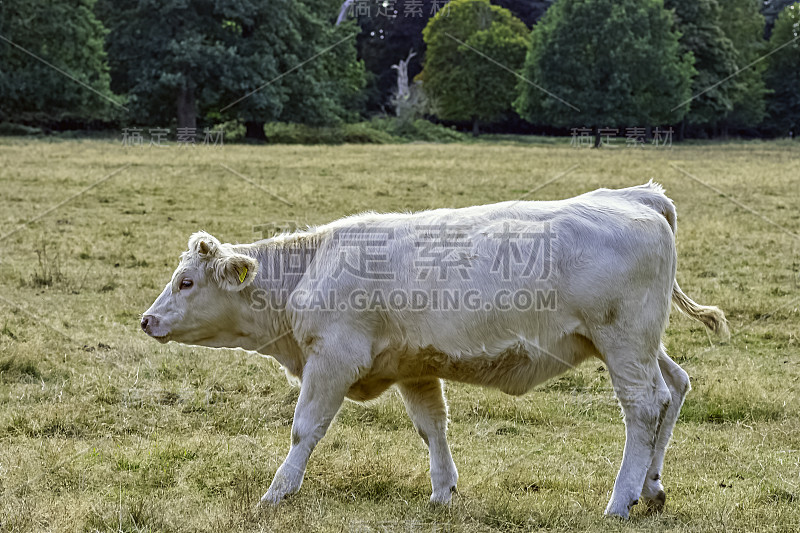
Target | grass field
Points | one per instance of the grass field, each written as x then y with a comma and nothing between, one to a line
102,428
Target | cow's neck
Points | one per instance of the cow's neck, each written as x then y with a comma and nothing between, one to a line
267,325
283,262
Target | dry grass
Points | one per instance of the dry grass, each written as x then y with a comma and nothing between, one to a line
104,429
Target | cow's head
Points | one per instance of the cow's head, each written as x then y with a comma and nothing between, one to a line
201,303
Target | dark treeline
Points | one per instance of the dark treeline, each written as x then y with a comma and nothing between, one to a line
708,68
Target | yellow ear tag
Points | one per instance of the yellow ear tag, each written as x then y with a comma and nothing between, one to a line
243,275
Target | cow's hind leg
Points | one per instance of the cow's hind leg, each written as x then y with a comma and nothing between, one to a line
425,403
677,381
645,399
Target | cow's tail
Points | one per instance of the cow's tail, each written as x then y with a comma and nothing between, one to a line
713,317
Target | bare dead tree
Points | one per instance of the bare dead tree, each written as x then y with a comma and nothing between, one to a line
401,67
408,99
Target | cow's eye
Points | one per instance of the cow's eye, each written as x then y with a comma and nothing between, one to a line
186,284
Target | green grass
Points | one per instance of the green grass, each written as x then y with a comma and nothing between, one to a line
104,429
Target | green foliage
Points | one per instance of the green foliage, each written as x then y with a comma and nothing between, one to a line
418,130
458,74
618,62
232,130
376,131
360,133
155,60
327,89
715,57
233,59
783,73
10,128
743,24
68,36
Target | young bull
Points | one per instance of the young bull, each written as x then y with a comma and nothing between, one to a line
504,295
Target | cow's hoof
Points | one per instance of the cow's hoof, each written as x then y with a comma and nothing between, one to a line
443,497
622,511
620,514
271,499
653,495
656,503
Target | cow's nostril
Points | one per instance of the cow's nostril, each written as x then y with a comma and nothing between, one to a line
145,320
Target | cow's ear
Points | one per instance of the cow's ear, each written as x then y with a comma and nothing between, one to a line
234,272
204,244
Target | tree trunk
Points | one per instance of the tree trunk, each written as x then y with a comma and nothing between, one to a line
254,130
187,115
648,134
476,128
597,139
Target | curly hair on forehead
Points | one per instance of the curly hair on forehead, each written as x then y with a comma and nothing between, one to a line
229,269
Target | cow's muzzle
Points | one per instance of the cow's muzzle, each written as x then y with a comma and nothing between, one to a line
150,325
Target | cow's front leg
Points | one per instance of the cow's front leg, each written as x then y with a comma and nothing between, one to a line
424,400
322,392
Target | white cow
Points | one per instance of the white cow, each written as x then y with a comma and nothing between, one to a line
504,295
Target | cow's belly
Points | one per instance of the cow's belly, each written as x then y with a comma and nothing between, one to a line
514,371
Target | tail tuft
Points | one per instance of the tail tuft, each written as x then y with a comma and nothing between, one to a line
713,317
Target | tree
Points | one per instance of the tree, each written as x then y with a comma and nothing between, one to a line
69,37
470,49
783,73
233,59
713,89
743,24
328,89
604,63
313,68
172,57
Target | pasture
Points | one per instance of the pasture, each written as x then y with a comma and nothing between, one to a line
102,428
